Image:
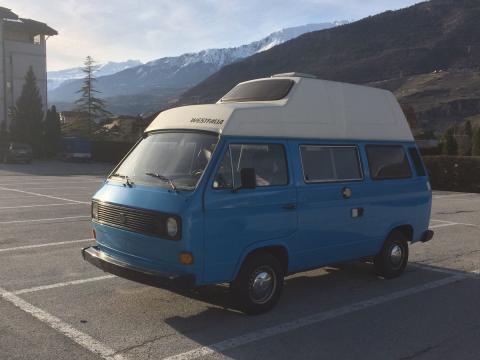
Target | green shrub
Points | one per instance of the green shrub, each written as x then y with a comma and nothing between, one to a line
454,173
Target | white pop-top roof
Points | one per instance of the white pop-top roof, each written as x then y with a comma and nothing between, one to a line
315,109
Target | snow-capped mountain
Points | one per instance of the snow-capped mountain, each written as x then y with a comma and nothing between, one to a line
56,78
174,75
221,57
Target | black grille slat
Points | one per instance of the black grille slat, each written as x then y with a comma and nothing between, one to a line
132,219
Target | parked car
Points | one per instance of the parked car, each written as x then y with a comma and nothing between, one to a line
282,175
17,152
76,149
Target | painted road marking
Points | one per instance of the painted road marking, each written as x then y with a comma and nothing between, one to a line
69,331
450,223
60,187
32,206
45,245
43,195
62,284
41,182
467,275
222,346
44,220
452,195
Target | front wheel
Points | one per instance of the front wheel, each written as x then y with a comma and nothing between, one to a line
259,284
393,258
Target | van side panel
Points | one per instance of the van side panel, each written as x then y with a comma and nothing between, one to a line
327,230
396,202
239,221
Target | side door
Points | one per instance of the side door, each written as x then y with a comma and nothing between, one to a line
236,219
332,205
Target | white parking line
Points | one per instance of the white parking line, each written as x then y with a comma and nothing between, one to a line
62,284
59,325
44,220
452,196
254,336
59,187
45,245
442,225
450,223
468,275
41,182
43,195
32,206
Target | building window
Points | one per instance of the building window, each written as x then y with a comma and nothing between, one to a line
37,39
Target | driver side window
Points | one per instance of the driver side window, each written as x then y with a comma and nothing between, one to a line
268,161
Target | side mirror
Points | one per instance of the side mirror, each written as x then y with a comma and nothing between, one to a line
248,178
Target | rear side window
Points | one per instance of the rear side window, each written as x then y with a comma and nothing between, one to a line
417,161
330,163
388,162
268,160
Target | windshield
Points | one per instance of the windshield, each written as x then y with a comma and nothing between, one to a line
172,160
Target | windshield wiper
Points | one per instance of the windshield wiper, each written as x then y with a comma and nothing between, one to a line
128,181
164,178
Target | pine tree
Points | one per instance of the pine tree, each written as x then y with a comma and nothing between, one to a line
4,138
450,146
27,114
467,143
476,143
88,103
52,132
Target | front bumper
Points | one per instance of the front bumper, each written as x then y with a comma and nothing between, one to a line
163,280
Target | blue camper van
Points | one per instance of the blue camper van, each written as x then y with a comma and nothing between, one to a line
281,175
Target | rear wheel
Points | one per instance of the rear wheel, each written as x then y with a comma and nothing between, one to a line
393,258
259,284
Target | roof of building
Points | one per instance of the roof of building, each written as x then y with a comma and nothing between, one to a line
311,109
7,13
29,26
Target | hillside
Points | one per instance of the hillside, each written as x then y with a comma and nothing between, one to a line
400,50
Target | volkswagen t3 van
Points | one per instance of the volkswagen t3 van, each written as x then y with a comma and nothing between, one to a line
281,175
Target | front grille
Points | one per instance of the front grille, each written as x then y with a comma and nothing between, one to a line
133,219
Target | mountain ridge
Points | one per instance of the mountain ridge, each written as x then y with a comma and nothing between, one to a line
387,50
57,77
176,74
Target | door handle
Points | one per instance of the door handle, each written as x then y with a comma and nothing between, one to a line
290,206
357,212
346,193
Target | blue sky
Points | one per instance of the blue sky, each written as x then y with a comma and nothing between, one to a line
148,29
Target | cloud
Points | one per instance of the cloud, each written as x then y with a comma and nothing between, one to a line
144,29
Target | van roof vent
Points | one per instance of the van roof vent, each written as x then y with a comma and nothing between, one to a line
295,74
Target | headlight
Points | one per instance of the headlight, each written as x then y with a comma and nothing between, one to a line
95,211
172,227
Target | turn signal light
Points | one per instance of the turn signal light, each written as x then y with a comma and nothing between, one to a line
186,258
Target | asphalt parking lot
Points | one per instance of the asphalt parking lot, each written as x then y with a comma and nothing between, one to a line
53,305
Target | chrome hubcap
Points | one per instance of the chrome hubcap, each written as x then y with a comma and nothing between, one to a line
263,285
396,255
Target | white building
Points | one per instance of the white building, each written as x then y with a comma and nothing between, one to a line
23,44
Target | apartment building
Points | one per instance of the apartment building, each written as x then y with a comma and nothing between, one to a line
23,44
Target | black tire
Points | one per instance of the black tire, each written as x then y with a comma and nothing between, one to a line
393,258
258,269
